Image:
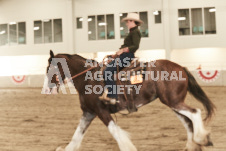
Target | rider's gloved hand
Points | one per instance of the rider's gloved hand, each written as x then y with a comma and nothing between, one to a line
119,52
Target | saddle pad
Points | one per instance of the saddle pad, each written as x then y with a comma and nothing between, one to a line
136,79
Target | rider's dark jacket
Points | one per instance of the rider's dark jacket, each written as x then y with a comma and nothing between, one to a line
132,41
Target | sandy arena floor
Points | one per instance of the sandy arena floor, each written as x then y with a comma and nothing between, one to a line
30,121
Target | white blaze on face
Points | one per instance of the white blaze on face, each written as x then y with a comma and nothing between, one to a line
54,90
46,89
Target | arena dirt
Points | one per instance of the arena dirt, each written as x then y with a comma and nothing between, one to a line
30,121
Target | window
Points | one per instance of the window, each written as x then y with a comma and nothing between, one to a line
3,34
38,32
158,16
200,25
13,33
79,22
184,22
101,24
123,28
110,27
210,20
48,31
101,27
57,28
21,33
92,27
144,26
197,26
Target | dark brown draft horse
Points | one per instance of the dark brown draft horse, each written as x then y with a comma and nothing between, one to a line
171,93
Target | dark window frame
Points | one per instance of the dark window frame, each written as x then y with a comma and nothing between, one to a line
53,31
203,15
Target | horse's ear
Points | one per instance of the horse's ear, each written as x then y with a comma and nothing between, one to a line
51,54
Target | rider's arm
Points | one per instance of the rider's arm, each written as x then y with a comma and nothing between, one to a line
136,36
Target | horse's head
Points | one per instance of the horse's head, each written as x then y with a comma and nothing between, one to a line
54,73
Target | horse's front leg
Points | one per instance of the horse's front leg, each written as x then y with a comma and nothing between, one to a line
76,140
121,136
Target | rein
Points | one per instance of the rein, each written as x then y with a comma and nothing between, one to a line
75,76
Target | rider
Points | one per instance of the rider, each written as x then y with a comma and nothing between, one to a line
127,50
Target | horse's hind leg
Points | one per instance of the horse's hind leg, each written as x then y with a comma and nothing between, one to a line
75,143
120,135
191,145
201,135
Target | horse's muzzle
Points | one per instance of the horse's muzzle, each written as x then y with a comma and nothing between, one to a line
53,90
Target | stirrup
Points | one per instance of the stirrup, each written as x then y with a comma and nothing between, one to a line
111,101
106,99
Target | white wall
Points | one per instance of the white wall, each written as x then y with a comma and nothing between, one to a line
209,58
199,41
208,51
32,59
30,10
84,8
162,36
163,41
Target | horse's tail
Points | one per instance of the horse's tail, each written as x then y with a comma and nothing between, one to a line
199,94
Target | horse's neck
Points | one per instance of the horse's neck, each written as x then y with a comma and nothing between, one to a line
77,66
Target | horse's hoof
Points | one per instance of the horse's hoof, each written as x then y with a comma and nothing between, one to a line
193,147
197,149
60,149
209,143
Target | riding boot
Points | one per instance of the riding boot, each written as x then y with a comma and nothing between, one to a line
106,99
131,107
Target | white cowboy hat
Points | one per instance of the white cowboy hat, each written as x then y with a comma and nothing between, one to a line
133,16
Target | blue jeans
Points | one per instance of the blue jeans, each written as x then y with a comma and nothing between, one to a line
124,61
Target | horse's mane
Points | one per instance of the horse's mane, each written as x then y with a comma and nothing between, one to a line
75,57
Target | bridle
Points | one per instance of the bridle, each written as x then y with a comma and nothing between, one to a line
75,76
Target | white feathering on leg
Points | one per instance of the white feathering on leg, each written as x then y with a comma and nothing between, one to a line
77,137
60,149
191,145
200,132
122,137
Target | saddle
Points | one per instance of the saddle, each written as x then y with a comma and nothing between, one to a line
134,73
131,75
